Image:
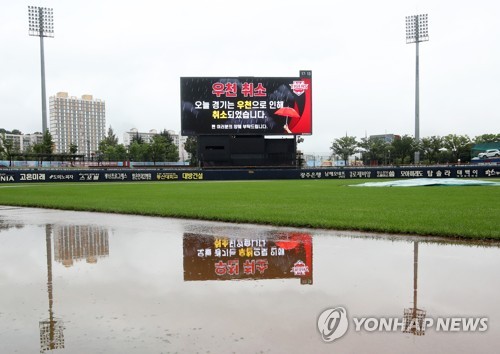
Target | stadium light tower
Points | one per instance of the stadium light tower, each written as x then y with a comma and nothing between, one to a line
41,24
417,31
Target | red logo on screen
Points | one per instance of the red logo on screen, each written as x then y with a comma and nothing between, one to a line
300,268
299,87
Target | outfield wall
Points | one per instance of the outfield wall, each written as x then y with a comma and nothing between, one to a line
121,175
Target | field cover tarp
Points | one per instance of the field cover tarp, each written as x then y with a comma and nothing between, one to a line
418,182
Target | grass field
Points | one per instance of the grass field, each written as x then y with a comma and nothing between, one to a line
472,212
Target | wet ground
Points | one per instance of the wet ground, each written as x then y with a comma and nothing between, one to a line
74,282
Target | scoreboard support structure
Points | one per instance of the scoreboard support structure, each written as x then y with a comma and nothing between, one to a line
246,151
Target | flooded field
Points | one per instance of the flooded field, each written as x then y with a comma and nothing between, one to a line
76,282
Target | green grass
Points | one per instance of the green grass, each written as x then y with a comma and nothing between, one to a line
471,212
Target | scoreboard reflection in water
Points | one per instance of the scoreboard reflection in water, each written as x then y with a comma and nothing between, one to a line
278,256
246,105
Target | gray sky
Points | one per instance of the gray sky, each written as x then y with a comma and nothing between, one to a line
131,54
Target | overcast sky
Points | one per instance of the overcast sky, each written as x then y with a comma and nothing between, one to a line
131,54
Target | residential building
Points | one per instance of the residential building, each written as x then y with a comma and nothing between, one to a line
22,142
79,121
29,140
133,133
15,141
180,141
388,138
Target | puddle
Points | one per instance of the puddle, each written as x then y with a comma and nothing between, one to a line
81,282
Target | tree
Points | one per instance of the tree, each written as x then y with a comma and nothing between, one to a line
459,145
375,150
172,153
403,149
116,152
137,151
73,149
431,148
487,138
47,142
46,147
111,138
137,139
108,147
6,147
167,135
121,152
109,153
344,147
158,148
191,147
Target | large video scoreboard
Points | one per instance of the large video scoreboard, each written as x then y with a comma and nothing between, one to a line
246,105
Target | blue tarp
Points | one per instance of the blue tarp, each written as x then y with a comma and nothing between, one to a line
417,182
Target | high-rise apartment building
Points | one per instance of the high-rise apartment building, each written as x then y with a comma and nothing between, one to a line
79,121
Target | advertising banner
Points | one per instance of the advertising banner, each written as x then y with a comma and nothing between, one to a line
247,105
163,175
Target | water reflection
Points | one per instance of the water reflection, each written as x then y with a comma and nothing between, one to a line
51,329
166,288
74,243
5,225
414,317
71,242
277,255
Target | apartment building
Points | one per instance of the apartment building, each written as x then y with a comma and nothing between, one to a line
79,121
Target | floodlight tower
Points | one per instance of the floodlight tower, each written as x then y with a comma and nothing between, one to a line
417,31
41,24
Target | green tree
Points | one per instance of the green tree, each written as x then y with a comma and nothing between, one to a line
158,148
431,147
73,149
403,149
172,153
191,147
6,147
344,147
46,147
108,148
487,138
137,138
116,152
109,153
48,143
138,151
121,152
375,150
111,138
459,145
